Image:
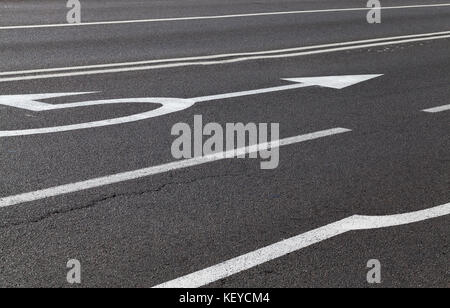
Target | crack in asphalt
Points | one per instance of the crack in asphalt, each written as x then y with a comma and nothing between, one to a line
98,201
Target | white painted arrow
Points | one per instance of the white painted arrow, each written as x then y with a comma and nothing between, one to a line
335,82
30,101
168,105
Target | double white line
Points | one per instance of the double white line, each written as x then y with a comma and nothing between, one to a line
215,59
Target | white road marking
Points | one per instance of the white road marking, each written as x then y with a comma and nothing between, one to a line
229,55
168,105
264,55
137,174
193,18
285,247
335,82
438,109
30,101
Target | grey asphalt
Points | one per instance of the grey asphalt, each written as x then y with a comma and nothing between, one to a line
151,230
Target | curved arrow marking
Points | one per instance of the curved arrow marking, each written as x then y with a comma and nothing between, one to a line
280,249
168,105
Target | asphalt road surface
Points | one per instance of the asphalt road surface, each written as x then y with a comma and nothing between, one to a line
88,193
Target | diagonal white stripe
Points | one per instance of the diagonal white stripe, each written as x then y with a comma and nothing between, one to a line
280,249
136,174
438,109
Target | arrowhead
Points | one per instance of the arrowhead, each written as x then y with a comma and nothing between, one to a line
335,82
30,101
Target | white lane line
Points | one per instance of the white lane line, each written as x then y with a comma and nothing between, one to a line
119,22
218,56
220,62
137,174
437,109
285,247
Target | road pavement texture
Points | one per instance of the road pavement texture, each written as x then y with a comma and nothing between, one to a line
93,195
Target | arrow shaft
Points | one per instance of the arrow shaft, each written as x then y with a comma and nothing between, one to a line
248,93
29,102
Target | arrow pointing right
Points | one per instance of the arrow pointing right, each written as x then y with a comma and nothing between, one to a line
335,82
168,105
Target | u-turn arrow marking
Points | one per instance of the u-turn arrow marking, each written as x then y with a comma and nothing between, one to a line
168,105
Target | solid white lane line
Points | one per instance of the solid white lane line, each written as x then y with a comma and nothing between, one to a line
438,109
285,247
218,56
119,22
235,60
137,174
360,222
255,258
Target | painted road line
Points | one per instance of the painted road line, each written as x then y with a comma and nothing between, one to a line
141,173
219,56
334,82
437,109
194,18
294,244
219,62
